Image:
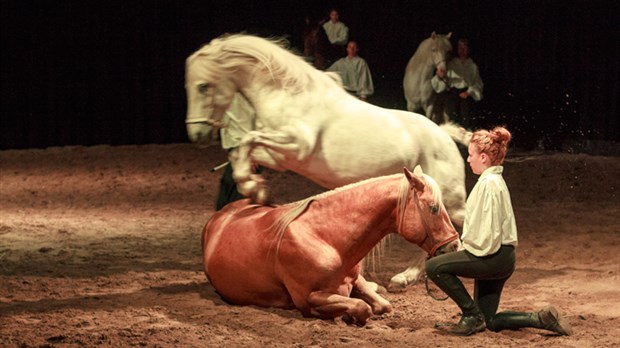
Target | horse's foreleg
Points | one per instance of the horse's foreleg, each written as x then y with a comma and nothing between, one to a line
365,290
266,158
329,305
248,184
268,145
409,276
290,142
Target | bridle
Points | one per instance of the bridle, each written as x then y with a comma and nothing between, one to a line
206,120
436,245
430,255
436,63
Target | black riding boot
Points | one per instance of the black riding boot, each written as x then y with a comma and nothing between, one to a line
547,319
472,320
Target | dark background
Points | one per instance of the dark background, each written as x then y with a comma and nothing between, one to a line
112,72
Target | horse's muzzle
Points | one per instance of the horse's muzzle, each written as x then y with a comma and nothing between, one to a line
452,244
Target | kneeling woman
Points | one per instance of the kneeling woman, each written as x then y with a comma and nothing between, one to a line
489,240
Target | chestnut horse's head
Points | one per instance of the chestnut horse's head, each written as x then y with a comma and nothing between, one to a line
422,217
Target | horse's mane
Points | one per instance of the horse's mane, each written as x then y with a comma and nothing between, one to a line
297,208
280,225
235,51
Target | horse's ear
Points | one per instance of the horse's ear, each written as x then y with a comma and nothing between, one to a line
415,178
449,35
408,173
418,170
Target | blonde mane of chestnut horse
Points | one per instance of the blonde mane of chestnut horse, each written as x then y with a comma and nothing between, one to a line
290,256
430,55
307,123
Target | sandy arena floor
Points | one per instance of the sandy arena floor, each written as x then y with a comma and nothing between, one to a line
100,246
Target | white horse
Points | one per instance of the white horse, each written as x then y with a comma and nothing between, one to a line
307,123
430,55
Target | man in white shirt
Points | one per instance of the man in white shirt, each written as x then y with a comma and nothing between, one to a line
354,72
338,35
462,83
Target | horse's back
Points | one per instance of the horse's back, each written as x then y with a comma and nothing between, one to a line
384,142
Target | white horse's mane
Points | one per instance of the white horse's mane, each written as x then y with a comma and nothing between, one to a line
235,51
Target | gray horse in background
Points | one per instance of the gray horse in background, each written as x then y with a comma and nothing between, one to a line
430,55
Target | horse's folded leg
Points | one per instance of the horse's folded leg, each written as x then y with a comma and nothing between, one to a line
361,312
325,305
367,291
377,288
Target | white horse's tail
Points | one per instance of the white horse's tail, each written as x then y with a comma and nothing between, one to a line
457,133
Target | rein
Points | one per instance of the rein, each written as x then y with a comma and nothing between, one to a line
430,292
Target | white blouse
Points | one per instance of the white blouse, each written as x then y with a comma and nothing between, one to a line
490,221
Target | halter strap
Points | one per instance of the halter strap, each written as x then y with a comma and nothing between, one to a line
437,245
438,62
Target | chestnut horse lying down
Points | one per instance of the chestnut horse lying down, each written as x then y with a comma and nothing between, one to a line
307,255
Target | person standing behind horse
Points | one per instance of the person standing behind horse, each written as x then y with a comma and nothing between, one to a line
489,239
462,83
237,125
337,33
354,72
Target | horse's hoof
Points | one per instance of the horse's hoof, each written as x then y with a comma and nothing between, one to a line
247,188
380,310
398,283
262,196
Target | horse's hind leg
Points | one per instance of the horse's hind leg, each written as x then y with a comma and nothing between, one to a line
329,305
362,289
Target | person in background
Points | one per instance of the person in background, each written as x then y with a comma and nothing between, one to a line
354,72
462,84
338,35
237,125
489,239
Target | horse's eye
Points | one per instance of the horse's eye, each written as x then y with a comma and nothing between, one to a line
203,87
434,209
